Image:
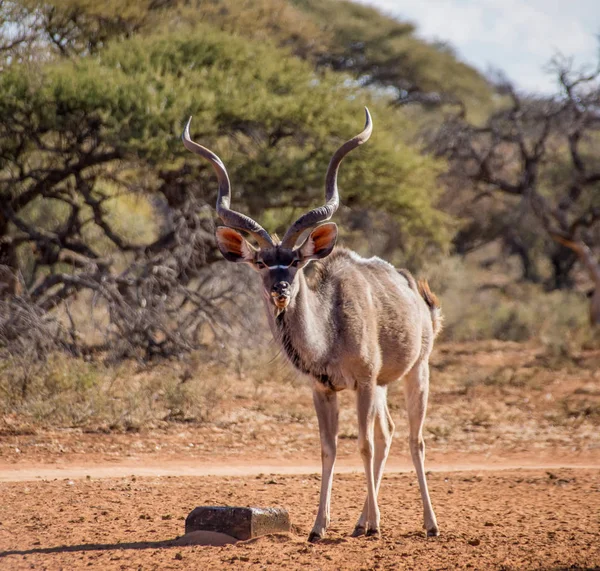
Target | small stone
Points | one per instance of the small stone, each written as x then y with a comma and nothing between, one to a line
241,523
474,541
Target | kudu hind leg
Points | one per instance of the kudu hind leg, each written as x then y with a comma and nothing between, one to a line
416,389
326,406
384,431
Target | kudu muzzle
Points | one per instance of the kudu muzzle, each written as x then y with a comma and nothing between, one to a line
281,293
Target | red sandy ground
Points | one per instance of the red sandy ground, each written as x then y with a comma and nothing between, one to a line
501,519
513,446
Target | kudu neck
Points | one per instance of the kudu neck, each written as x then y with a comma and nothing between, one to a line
306,321
308,305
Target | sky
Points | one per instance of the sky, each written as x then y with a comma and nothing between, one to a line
518,37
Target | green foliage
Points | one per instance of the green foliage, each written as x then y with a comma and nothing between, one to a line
269,116
375,48
384,51
133,72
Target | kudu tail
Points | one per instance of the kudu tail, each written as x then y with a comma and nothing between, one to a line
433,303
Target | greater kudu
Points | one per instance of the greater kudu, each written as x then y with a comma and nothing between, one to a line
360,324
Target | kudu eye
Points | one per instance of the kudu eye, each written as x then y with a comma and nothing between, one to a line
295,263
260,264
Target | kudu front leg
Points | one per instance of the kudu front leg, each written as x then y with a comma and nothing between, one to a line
366,399
384,431
326,406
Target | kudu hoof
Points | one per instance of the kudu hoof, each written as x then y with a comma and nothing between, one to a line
359,531
434,532
372,532
314,537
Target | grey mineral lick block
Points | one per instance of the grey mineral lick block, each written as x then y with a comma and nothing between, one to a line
241,523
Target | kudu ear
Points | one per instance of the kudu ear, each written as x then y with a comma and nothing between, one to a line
234,246
320,243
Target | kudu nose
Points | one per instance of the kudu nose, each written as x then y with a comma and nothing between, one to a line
281,288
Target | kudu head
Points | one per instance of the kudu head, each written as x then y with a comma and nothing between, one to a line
278,262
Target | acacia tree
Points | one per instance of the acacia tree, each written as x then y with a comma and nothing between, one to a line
540,153
98,195
382,51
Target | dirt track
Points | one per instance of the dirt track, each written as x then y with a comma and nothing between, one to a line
523,519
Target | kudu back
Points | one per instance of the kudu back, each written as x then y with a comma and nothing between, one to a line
357,324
